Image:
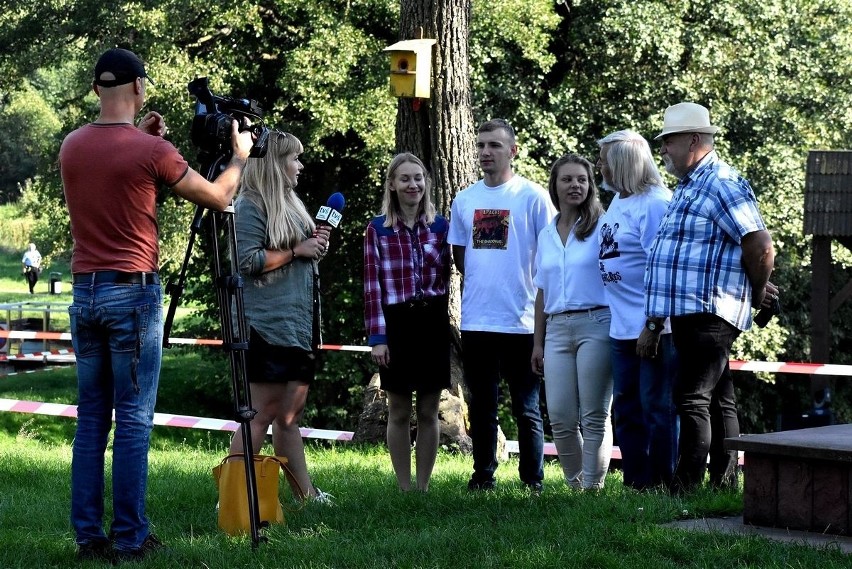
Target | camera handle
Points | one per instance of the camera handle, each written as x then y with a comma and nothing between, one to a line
229,293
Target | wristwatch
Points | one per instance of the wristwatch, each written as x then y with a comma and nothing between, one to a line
655,327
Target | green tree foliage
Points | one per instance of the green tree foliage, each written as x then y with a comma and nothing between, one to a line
774,75
318,70
31,125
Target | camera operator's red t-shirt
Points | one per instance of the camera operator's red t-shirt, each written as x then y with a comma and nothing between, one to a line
111,173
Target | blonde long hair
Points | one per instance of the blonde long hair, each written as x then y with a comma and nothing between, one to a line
390,201
267,185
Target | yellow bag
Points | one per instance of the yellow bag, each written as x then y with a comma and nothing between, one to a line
230,478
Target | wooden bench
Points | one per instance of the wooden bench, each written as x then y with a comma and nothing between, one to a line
798,479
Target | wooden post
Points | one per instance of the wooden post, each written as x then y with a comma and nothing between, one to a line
820,316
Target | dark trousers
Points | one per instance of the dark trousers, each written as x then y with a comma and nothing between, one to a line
705,400
487,357
646,421
32,278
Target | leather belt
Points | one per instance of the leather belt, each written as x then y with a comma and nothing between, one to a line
116,277
580,310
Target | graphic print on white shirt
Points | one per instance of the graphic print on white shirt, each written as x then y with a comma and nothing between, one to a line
491,229
609,242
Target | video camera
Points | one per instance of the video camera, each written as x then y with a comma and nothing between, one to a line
211,125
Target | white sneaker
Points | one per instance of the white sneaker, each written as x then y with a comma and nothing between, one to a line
323,498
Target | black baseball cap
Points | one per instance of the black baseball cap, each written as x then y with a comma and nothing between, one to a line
123,64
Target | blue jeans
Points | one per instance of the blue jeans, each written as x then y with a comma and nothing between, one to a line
705,400
578,385
646,423
488,356
117,334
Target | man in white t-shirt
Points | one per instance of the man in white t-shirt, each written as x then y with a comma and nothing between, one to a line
494,225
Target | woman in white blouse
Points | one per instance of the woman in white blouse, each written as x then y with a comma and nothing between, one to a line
572,319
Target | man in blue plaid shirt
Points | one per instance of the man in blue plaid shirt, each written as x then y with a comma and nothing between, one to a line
709,266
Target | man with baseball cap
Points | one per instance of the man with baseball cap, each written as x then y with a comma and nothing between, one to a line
708,267
124,66
111,171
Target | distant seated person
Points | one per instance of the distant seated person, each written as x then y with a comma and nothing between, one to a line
31,266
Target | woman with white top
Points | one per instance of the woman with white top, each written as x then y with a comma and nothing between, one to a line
646,424
571,339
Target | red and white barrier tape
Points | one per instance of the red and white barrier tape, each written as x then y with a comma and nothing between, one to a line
736,365
190,422
27,335
35,355
162,419
32,335
334,347
792,367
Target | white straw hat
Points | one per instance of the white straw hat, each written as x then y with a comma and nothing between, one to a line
686,117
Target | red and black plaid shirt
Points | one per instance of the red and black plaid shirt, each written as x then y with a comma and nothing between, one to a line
402,264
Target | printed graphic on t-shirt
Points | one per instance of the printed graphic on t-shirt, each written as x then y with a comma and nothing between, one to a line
490,228
609,250
609,244
608,276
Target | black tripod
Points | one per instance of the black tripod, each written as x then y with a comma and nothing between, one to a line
229,294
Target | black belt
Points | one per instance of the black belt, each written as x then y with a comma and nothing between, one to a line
116,277
580,310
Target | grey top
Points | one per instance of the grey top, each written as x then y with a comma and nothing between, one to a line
279,304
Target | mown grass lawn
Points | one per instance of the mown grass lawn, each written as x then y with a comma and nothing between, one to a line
371,524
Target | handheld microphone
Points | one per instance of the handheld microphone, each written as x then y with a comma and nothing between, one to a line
329,214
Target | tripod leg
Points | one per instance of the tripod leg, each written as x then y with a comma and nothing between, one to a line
235,341
175,289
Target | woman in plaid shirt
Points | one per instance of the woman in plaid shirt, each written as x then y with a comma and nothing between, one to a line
406,270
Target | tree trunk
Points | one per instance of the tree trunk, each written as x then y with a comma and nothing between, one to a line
440,132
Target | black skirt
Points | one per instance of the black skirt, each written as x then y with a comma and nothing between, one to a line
267,363
418,334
